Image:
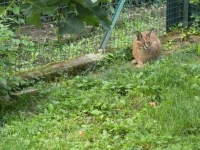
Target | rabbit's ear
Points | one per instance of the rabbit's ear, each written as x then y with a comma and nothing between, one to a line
139,35
148,35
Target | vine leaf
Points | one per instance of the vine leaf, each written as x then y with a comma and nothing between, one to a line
90,20
87,12
87,15
102,16
34,19
70,25
37,6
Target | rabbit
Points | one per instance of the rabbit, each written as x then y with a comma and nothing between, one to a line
145,47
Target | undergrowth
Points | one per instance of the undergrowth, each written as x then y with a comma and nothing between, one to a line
114,107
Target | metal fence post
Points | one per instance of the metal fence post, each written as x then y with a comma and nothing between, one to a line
185,12
114,19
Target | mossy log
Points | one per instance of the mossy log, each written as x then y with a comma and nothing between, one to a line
52,70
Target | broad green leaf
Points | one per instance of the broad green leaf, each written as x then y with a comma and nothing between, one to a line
79,1
90,20
98,11
21,21
5,64
2,9
34,8
38,7
48,10
87,15
8,64
39,4
105,22
34,19
82,11
28,9
199,49
91,3
102,16
50,2
15,10
3,81
15,83
70,25
25,5
3,47
3,91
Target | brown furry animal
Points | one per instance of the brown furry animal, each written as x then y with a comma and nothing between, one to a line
145,47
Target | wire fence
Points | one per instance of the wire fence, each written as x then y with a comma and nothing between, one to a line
179,11
35,47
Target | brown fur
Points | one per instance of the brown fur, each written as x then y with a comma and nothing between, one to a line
145,47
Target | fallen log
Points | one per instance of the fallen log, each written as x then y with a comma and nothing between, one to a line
50,71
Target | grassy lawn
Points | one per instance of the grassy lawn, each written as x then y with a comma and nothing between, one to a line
111,108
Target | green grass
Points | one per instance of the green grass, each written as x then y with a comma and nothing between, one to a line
111,106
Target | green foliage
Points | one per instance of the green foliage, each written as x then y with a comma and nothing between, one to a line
196,2
10,12
5,35
85,11
195,27
7,80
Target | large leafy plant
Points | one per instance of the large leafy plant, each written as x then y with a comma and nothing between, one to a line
7,79
71,15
